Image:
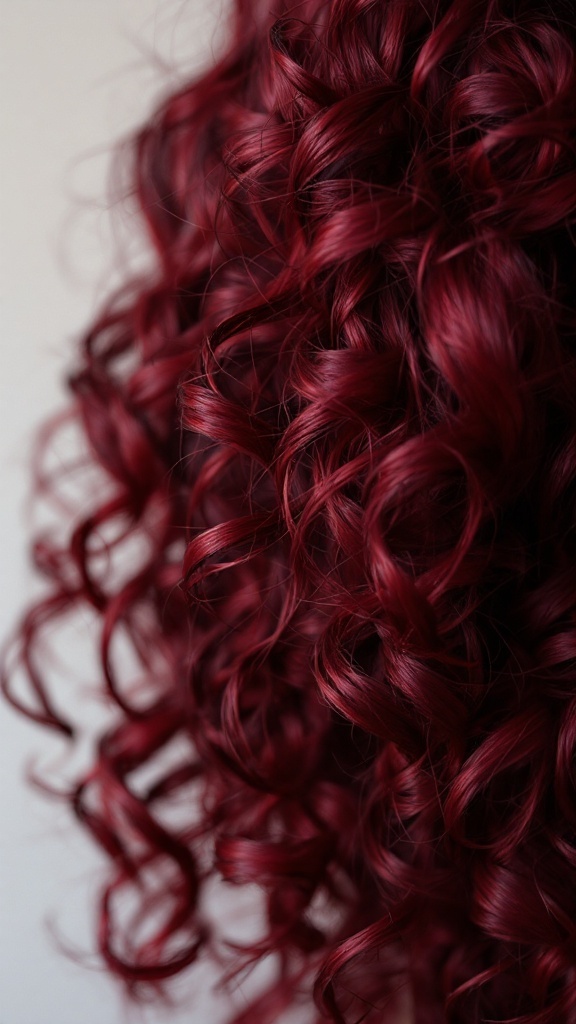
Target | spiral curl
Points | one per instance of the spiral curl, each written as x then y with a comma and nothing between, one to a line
341,414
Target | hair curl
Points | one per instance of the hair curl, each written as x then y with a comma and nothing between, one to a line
339,415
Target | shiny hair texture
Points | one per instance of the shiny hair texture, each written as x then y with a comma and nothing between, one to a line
336,421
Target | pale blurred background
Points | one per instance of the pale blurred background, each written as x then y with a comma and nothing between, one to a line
75,76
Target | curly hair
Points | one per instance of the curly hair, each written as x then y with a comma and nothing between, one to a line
336,422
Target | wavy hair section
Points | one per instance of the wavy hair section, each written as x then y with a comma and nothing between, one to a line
340,415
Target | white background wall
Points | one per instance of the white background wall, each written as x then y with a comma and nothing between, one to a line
75,75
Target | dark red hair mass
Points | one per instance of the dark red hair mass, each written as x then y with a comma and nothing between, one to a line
336,427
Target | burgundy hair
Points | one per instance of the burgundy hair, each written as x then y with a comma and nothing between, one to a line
339,419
